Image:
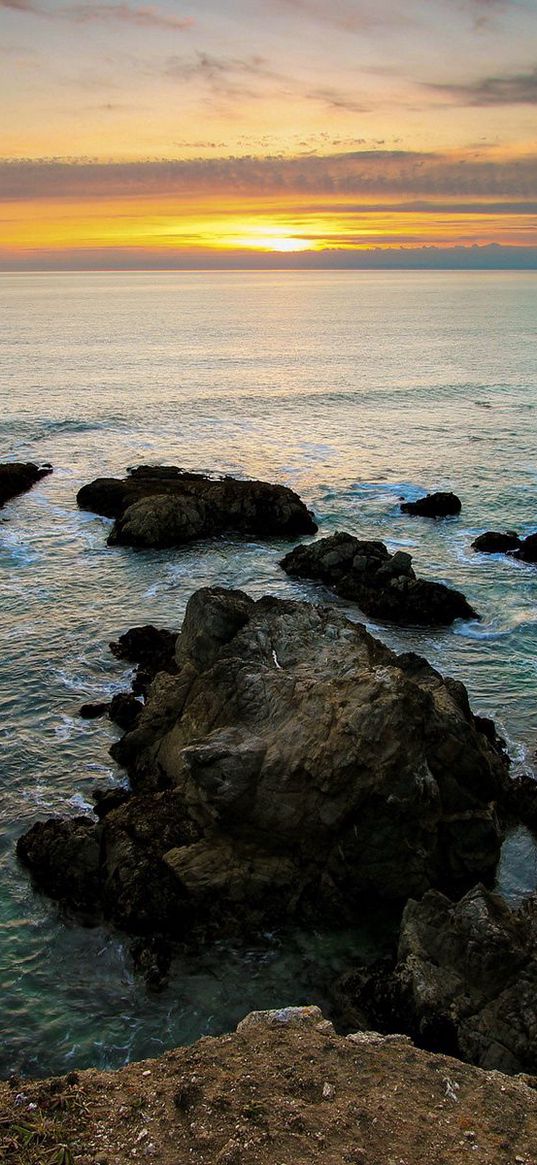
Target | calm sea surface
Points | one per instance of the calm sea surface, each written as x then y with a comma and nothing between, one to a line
354,389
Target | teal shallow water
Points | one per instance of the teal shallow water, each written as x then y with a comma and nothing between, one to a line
354,388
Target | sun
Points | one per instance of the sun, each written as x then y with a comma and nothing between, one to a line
287,243
268,239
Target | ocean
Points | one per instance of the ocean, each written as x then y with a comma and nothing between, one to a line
354,388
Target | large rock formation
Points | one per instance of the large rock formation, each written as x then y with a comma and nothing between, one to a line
292,766
384,585
465,980
165,506
437,505
17,477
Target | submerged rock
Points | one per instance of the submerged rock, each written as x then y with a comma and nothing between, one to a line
384,585
162,506
17,477
293,767
437,505
465,981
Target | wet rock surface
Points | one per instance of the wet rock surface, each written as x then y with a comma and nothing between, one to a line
384,585
493,542
159,506
436,505
291,768
18,477
465,980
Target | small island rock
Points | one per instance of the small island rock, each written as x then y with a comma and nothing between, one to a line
159,506
437,505
384,585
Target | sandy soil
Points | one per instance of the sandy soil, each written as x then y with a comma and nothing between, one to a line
282,1090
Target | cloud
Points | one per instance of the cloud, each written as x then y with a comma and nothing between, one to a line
367,174
347,15
144,16
335,99
511,89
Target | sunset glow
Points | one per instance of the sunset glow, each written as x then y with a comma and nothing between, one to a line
153,138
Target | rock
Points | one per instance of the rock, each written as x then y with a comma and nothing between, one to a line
293,767
151,648
384,585
473,962
520,799
162,506
527,551
309,1016
107,799
464,981
125,710
17,477
495,543
64,852
437,505
93,711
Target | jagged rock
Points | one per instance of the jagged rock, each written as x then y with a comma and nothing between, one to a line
64,852
496,543
164,506
151,648
17,477
125,710
107,799
437,505
384,585
93,711
293,767
464,983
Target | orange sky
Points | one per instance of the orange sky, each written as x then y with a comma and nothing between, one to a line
135,134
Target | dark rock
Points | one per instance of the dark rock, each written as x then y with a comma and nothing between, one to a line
527,551
471,967
107,799
93,711
152,648
384,585
437,505
152,958
495,543
17,477
293,767
125,710
520,800
63,857
164,506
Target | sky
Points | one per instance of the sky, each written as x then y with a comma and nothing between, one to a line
268,133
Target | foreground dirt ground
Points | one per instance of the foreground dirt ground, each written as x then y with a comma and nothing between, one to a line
282,1090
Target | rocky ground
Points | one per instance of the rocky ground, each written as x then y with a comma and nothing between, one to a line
281,1090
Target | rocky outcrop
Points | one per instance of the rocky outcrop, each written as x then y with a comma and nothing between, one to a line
465,980
283,1088
384,585
293,767
437,505
152,649
17,477
492,542
162,506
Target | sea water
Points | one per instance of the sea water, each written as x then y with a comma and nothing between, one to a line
354,388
